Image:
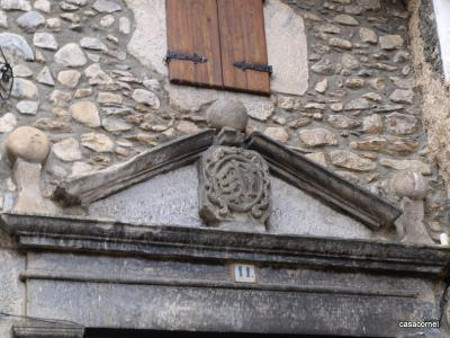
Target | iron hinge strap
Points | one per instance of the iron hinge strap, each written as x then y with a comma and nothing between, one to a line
196,58
259,67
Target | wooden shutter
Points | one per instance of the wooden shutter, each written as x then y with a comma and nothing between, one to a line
192,27
242,35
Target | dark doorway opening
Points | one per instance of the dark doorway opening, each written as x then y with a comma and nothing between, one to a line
111,333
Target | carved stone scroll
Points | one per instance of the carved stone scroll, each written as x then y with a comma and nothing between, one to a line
234,188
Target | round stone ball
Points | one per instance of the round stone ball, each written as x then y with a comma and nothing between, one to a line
411,184
27,143
227,113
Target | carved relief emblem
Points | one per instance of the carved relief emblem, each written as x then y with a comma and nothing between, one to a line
235,186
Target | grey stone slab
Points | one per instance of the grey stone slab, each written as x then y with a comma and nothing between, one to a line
169,198
223,310
295,212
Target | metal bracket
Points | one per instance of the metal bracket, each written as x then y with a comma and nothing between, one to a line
259,67
196,58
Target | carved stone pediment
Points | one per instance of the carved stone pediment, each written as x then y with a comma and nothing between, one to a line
231,189
234,186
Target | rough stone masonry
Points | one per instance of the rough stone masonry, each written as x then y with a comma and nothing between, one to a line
78,79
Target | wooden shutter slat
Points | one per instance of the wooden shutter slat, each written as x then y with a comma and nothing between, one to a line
242,35
192,27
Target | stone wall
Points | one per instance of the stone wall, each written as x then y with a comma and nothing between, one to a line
82,78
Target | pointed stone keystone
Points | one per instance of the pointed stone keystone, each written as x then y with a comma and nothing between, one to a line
27,148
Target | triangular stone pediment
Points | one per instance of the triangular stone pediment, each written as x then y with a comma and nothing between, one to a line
164,186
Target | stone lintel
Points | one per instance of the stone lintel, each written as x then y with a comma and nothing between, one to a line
48,331
314,179
78,234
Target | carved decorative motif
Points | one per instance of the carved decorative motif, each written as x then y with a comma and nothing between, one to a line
235,186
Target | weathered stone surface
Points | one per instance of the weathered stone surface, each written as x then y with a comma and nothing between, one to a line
27,107
248,206
107,21
358,104
350,161
69,78
419,166
372,124
345,19
31,21
227,113
401,124
124,25
93,44
19,5
146,97
109,99
24,89
279,134
391,42
340,43
58,97
67,150
402,83
113,124
97,76
350,61
83,92
151,84
323,67
27,143
3,19
17,43
80,168
321,86
43,6
385,144
70,55
188,127
411,184
54,24
22,71
97,142
283,28
45,77
106,6
368,35
343,122
7,123
318,137
318,157
45,41
52,125
79,3
86,112
354,83
402,96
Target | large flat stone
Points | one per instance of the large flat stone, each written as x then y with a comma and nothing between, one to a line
286,28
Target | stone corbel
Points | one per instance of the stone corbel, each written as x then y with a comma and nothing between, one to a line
27,149
412,188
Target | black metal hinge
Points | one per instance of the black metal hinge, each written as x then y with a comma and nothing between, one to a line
196,58
259,67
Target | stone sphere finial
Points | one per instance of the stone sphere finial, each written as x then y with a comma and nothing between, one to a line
411,184
227,113
27,143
